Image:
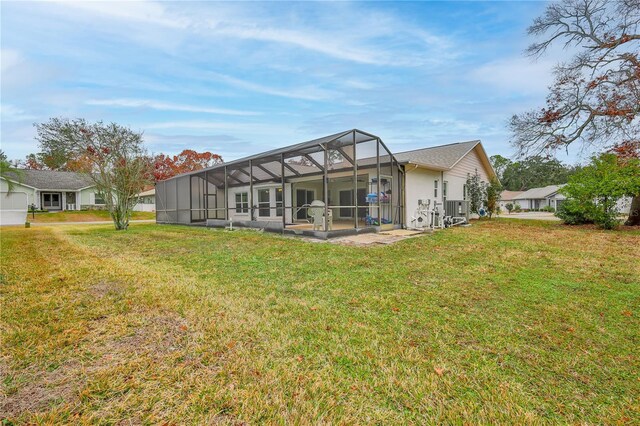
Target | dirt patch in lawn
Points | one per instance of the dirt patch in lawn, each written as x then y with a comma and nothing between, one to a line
156,336
105,288
36,390
41,389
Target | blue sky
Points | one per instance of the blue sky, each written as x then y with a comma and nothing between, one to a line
241,77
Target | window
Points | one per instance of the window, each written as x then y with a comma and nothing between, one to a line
242,202
464,192
279,202
444,190
263,203
50,200
99,198
435,188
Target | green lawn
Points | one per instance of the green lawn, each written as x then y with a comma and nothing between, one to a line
505,322
82,216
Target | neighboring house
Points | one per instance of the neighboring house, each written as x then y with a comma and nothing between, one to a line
507,197
343,183
54,190
146,201
539,198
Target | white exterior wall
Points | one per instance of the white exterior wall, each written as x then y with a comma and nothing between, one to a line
14,204
457,177
419,185
146,204
87,196
30,192
524,204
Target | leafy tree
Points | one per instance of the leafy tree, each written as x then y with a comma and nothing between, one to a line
625,152
500,164
594,191
531,172
166,166
116,160
509,207
492,192
476,190
595,98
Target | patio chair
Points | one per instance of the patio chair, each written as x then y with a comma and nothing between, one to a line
316,212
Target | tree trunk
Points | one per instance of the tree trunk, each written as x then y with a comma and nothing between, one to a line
634,212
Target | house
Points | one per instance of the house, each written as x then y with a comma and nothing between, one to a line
340,184
146,201
539,198
439,174
508,197
54,190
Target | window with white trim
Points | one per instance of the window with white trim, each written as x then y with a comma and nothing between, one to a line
99,198
242,202
435,189
444,190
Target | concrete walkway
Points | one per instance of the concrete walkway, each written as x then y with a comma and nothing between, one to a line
530,215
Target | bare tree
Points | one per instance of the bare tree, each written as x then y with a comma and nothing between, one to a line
595,98
116,160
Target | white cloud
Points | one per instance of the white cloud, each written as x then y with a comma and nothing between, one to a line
12,113
362,40
143,11
516,75
166,106
311,93
10,58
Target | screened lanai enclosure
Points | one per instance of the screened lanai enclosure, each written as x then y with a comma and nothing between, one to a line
336,185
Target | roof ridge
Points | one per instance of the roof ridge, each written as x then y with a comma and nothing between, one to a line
438,146
49,171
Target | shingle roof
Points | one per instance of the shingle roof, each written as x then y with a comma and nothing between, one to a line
538,193
440,157
49,179
510,195
148,192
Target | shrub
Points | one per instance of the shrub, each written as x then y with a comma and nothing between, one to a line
517,208
595,189
574,212
509,207
548,209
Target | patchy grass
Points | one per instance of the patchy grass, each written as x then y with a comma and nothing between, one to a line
504,322
82,216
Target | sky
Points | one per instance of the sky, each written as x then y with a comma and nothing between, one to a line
239,78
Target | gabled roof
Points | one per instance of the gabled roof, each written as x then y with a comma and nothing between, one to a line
54,180
510,195
442,157
539,193
147,193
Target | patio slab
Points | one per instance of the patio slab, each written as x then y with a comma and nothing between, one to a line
384,238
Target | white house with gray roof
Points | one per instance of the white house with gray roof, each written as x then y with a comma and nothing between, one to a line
440,173
539,198
348,182
54,190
